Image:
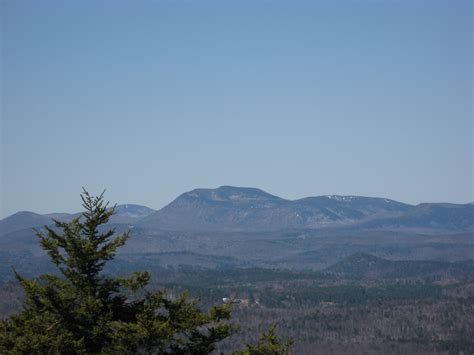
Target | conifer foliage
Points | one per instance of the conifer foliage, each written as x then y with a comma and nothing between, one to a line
84,311
268,344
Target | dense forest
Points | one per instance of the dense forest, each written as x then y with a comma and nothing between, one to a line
323,312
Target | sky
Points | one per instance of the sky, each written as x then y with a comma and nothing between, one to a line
149,99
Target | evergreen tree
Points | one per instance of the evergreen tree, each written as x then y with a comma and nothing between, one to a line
87,312
268,344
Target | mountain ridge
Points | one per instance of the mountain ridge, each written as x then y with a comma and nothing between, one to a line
125,214
247,209
260,229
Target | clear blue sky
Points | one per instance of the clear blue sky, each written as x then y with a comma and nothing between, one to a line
149,99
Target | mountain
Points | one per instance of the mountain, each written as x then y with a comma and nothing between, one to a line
130,213
223,209
241,209
437,216
124,214
254,228
244,209
23,220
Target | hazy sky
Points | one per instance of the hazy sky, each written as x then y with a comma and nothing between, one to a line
150,99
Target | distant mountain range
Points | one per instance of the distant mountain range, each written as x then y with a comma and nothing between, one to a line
124,214
241,209
234,227
234,209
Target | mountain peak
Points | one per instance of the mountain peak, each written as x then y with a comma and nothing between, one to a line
234,194
23,220
131,208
